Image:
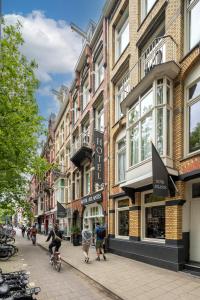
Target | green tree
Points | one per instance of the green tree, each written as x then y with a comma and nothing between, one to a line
20,123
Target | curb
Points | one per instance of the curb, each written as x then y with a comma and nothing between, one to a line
108,291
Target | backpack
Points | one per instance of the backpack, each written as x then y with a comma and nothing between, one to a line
101,233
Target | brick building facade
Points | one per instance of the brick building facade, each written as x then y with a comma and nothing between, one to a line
159,72
136,82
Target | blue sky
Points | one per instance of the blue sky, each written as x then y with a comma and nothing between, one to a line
49,39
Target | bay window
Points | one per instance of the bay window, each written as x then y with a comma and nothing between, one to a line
192,23
122,90
153,217
122,218
121,160
150,120
122,35
193,118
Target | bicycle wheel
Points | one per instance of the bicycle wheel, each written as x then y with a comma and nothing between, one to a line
58,266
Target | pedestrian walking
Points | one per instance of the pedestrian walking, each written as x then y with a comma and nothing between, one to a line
100,239
23,229
86,242
33,234
28,232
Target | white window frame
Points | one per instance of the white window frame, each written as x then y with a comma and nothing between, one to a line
86,172
99,71
125,237
62,129
119,30
85,93
68,189
188,8
122,150
143,224
62,162
166,107
144,8
58,192
67,156
67,125
99,112
75,109
77,185
122,89
190,81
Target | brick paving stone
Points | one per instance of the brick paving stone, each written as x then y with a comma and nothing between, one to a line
131,279
69,284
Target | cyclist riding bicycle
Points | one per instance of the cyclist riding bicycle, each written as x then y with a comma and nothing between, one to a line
56,236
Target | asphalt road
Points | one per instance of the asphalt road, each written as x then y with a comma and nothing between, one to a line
69,284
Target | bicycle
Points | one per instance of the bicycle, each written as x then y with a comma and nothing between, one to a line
56,261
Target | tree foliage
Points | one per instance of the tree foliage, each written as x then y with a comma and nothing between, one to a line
20,123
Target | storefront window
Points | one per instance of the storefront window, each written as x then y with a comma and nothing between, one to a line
122,218
153,217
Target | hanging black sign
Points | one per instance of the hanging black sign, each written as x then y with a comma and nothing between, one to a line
98,157
61,211
160,175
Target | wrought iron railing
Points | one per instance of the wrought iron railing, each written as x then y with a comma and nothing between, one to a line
161,50
82,141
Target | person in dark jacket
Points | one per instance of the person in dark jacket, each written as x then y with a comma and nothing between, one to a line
56,236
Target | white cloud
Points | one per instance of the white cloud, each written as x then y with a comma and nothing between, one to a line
51,43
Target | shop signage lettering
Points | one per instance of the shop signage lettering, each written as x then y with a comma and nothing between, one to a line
160,175
96,197
98,158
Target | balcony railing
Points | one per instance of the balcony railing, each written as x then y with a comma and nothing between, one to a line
83,141
162,50
81,148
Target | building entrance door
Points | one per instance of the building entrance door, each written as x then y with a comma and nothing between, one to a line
195,229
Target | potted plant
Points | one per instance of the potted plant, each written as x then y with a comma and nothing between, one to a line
75,232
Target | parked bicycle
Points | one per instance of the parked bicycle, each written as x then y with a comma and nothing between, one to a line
14,285
6,248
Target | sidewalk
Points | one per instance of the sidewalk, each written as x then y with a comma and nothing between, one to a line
129,279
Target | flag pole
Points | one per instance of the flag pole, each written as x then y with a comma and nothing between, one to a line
173,183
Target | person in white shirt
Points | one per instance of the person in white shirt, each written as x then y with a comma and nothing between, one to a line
86,241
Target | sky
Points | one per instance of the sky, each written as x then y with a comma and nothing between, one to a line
50,41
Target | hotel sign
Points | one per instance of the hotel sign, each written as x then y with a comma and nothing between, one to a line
96,197
98,157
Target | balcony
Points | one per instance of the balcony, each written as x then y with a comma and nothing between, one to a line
81,149
159,59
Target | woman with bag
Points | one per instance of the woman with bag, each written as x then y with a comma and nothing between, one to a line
56,236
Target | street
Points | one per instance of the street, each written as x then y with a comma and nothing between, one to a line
67,285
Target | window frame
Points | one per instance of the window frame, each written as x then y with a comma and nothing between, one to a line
121,88
122,150
153,111
98,65
117,209
86,172
144,11
119,30
143,217
85,93
188,9
189,103
99,112
75,109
